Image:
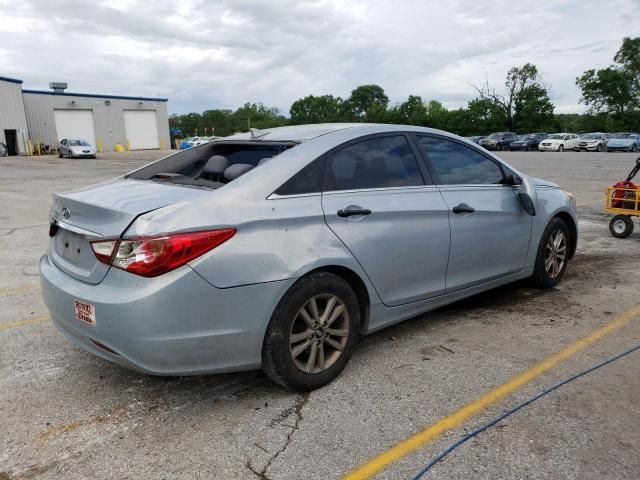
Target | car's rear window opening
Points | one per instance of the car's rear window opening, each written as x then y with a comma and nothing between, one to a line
211,165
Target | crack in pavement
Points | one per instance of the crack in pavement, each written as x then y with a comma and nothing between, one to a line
11,231
297,411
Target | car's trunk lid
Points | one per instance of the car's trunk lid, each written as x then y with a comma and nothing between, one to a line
104,212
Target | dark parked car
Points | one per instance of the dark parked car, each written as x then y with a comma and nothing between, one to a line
498,141
528,142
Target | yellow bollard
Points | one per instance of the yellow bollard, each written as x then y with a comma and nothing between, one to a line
128,143
38,145
30,147
162,143
100,145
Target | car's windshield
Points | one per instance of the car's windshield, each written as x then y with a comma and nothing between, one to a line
592,135
623,135
555,136
79,143
495,135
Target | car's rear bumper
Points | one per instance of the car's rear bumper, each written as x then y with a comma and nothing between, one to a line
521,147
175,324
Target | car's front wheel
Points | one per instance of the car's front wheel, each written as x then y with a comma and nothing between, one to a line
312,332
561,148
553,255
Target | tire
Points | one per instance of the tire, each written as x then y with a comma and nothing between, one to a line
599,148
528,149
633,148
499,147
621,226
4,151
561,148
542,277
280,363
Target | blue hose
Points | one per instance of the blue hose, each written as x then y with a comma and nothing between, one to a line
515,409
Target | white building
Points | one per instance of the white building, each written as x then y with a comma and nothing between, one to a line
48,116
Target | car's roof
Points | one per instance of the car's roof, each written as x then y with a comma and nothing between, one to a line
295,133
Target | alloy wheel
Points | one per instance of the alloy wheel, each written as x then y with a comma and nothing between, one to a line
319,333
555,253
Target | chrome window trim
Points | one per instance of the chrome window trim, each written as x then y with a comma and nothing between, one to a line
275,196
382,189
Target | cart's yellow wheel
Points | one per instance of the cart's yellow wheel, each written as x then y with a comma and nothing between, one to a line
621,226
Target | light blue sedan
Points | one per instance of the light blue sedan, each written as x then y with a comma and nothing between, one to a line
277,249
624,142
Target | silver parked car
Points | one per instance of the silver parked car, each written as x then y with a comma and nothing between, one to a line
76,149
280,248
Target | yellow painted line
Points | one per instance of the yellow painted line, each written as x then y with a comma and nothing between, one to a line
22,323
405,447
5,292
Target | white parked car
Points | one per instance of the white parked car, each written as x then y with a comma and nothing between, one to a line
558,142
76,149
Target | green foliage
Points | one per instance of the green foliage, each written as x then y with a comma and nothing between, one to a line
367,103
613,93
311,109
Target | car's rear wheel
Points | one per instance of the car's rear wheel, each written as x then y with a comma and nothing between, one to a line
633,148
599,147
312,333
561,148
498,146
621,226
553,255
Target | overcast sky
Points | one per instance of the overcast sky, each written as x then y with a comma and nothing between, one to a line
220,54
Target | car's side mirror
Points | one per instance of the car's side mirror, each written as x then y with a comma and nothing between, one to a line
527,203
513,180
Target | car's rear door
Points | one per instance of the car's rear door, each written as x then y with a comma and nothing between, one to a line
490,231
379,201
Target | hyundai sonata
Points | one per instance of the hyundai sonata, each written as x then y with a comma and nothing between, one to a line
277,249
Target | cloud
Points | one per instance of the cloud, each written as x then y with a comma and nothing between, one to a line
219,54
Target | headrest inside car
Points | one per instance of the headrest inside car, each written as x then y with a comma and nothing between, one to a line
234,171
216,164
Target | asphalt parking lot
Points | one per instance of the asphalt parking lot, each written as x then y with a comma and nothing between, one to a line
65,414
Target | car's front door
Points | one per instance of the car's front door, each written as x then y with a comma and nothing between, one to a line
379,201
490,231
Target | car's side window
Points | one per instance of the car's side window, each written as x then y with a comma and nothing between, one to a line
307,180
457,164
378,162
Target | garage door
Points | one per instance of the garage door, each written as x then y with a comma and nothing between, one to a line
75,124
141,128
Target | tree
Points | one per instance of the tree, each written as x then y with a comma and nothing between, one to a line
525,96
615,90
311,109
412,111
367,103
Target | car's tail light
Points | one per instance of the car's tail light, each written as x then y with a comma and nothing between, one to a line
103,250
153,256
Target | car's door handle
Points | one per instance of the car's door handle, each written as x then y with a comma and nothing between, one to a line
463,208
353,210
